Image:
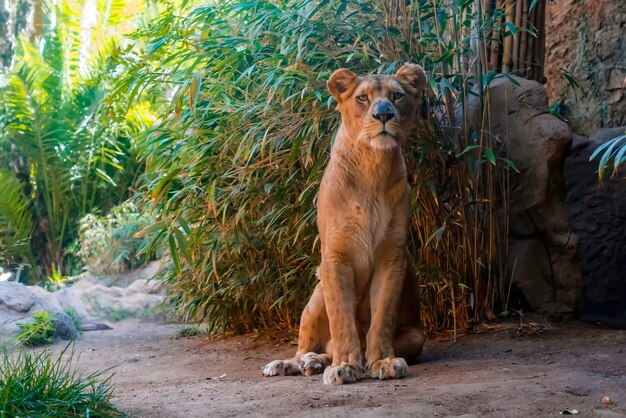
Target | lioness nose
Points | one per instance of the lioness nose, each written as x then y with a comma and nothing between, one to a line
383,116
383,111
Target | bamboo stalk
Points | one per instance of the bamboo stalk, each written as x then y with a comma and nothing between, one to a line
507,53
541,41
530,49
524,38
496,46
487,12
536,40
516,40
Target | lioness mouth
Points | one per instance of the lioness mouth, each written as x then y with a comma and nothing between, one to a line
385,133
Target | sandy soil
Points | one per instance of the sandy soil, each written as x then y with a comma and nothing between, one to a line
499,372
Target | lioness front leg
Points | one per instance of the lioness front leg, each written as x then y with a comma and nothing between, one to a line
339,295
312,340
385,294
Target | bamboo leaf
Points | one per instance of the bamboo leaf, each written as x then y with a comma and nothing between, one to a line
467,149
174,254
181,241
490,156
157,226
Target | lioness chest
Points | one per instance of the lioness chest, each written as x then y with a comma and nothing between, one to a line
372,217
359,220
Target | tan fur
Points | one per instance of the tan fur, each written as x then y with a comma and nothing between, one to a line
365,310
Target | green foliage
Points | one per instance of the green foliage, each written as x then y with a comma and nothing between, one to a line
40,331
108,244
190,331
235,163
612,154
56,280
43,385
16,220
76,318
61,155
571,82
119,314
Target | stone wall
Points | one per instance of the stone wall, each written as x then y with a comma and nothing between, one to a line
587,38
598,213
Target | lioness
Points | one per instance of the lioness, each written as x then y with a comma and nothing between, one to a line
366,302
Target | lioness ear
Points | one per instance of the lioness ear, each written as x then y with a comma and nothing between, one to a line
341,84
412,78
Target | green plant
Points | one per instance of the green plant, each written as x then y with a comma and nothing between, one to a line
16,221
44,385
119,314
61,156
76,318
107,244
56,280
40,331
146,311
235,162
190,331
613,154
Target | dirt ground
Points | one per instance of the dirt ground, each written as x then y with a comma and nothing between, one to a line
499,372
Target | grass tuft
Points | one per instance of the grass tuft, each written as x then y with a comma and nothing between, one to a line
38,332
76,318
43,385
190,331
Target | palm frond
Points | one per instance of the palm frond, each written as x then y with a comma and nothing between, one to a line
16,221
53,123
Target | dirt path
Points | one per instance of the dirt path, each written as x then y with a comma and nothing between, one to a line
571,366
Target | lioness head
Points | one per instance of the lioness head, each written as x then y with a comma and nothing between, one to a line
378,109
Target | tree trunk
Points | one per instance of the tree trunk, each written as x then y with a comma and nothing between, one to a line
6,44
37,29
13,22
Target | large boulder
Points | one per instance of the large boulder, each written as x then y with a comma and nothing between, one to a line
543,247
133,293
598,213
19,303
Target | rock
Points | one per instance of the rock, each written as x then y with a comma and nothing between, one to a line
543,256
603,135
128,294
531,248
16,300
91,297
598,213
66,330
19,303
556,311
94,326
123,280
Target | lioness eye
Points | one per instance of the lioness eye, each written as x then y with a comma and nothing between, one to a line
362,98
397,96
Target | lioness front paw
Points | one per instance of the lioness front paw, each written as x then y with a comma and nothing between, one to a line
313,363
345,373
282,368
389,368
